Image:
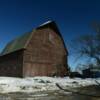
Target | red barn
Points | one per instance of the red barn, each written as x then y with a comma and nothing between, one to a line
41,52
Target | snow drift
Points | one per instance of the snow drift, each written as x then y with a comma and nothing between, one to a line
9,84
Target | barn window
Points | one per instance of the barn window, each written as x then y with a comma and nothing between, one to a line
51,37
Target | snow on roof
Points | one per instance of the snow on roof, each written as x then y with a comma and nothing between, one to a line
46,23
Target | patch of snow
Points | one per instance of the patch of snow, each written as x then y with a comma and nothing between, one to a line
39,95
34,84
46,23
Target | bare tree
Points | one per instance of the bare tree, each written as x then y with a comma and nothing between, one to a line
89,45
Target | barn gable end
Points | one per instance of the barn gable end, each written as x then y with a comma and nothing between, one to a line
45,54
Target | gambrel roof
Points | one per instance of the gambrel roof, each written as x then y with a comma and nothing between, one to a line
20,42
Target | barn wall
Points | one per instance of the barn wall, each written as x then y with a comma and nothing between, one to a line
45,55
11,64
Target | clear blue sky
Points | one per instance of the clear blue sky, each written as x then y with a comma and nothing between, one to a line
72,16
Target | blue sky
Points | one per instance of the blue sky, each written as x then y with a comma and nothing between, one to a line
72,16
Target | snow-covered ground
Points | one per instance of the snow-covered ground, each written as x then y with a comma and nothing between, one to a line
9,84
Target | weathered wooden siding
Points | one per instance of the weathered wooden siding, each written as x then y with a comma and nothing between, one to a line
45,54
11,64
